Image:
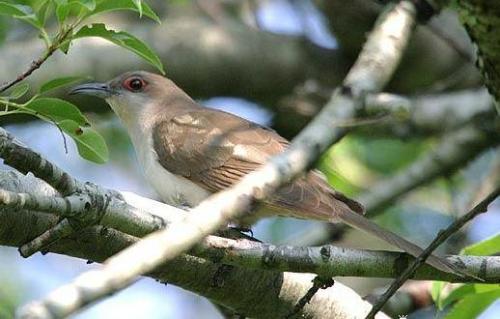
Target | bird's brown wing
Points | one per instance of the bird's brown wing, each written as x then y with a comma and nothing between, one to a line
215,149
212,148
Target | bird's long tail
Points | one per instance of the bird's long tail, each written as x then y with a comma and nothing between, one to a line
358,221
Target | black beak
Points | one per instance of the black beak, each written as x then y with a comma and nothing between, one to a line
101,90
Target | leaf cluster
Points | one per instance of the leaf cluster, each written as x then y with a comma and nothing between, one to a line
71,17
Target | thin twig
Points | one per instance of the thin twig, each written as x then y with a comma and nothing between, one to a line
36,64
440,238
318,283
50,236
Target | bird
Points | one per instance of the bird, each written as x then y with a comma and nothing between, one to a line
188,152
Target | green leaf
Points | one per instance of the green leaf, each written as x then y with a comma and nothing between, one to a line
57,110
436,290
465,290
489,246
19,91
19,11
123,39
14,10
64,47
4,29
457,294
42,9
472,305
90,144
65,7
60,82
138,5
113,5
88,4
62,11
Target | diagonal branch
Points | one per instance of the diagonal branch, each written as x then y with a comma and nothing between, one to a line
36,64
370,73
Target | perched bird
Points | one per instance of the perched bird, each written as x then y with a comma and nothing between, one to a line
188,152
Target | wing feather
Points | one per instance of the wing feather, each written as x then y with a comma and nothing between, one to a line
215,150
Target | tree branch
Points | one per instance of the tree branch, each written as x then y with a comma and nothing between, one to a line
330,261
271,294
16,155
326,261
434,113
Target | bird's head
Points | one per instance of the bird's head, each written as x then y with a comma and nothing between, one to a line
133,93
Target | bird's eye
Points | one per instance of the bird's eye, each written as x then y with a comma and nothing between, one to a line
134,84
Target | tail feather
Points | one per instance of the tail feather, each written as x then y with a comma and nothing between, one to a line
357,221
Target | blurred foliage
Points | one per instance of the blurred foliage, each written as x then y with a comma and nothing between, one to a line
10,297
71,17
4,29
487,247
359,160
386,155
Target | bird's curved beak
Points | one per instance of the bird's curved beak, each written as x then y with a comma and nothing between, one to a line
101,90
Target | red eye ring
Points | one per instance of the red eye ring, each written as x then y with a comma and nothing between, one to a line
134,84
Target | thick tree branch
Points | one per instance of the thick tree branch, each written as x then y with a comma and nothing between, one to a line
331,261
229,288
98,242
371,72
326,261
84,203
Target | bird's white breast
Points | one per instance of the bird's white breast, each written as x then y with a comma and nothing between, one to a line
173,189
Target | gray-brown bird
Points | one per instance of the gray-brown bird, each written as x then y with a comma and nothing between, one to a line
188,152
